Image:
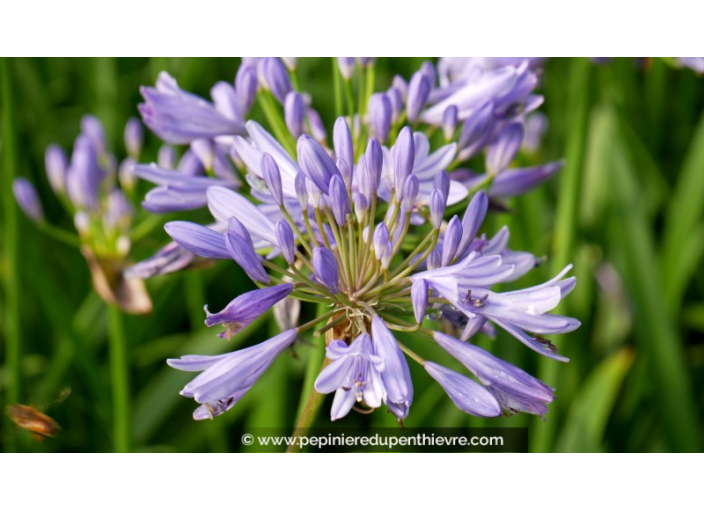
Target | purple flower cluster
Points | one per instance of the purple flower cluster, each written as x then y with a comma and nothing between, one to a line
365,227
85,184
318,212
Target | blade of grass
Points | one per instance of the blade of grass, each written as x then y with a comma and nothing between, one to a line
684,212
10,240
106,96
654,324
693,316
592,405
543,433
55,375
58,314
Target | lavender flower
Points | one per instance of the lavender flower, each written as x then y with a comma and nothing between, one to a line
169,259
514,389
694,63
380,115
246,83
419,299
295,113
326,270
207,242
504,149
241,248
27,199
354,375
418,93
536,125
180,117
315,162
226,378
467,395
346,66
84,175
134,137
396,375
465,286
245,308
177,191
273,76
56,167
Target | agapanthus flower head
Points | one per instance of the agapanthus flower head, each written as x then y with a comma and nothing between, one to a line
363,269
86,185
382,228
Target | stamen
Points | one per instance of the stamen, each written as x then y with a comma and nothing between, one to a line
476,302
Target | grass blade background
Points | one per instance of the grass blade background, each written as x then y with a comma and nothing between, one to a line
11,249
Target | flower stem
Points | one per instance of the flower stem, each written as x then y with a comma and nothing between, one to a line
338,88
59,234
119,375
296,230
146,227
369,89
308,416
273,116
350,98
315,321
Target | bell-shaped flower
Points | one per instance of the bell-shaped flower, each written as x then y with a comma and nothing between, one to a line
180,117
227,377
354,375
396,375
242,310
469,396
515,389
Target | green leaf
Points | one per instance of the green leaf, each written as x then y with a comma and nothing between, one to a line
632,238
682,217
567,208
592,405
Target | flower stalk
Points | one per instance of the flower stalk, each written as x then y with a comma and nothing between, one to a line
119,380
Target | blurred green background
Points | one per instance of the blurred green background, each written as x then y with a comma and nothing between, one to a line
627,210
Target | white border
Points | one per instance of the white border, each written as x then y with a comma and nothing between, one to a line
227,28
337,481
